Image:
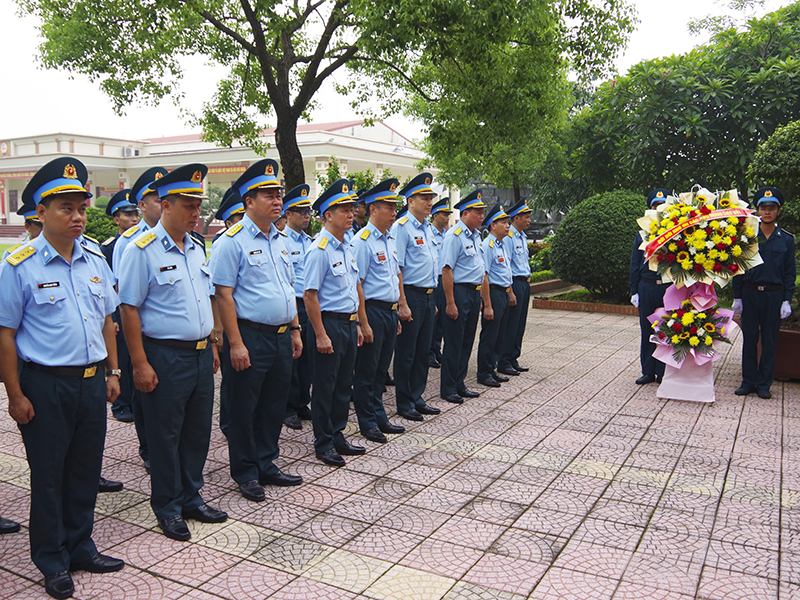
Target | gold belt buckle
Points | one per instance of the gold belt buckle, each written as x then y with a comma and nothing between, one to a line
508,289
89,372
528,279
478,287
353,317
201,345
429,291
760,288
394,306
282,328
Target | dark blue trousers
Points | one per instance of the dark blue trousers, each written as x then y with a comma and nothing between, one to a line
332,382
441,304
651,297
372,362
64,445
511,336
224,386
257,404
411,351
300,388
492,333
761,317
459,335
178,417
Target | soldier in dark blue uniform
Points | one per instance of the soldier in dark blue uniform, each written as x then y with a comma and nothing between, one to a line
55,288
763,295
647,294
440,220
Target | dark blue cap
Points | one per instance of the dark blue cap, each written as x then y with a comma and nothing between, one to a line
473,200
183,181
231,204
297,197
261,174
520,208
421,184
658,195
385,191
120,201
768,194
60,176
495,213
442,206
29,212
337,193
143,185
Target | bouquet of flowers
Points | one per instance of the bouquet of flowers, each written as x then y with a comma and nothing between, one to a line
700,236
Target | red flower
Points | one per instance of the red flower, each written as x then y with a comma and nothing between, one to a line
670,258
717,267
661,336
693,330
681,244
705,210
733,268
676,328
692,213
660,257
709,233
681,313
734,239
721,246
698,268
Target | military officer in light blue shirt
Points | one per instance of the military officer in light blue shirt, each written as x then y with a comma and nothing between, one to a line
464,281
440,220
376,257
165,287
297,210
516,245
335,307
56,289
252,278
497,298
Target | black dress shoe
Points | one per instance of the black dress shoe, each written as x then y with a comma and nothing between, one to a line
434,364
331,457
293,422
107,485
764,393
468,393
124,416
743,390
281,478
304,413
252,491
454,398
391,428
499,378
175,528
348,449
205,514
374,434
508,371
522,369
8,526
411,415
99,563
644,379
489,382
428,410
59,585
387,380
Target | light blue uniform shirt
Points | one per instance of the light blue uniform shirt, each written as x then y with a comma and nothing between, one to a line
331,269
126,238
171,288
438,243
259,270
297,244
416,254
462,252
496,262
516,244
57,308
376,258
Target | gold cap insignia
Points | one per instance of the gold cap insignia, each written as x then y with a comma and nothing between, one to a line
304,192
127,197
269,171
70,172
344,188
393,187
479,195
768,194
659,194
197,177
427,180
159,175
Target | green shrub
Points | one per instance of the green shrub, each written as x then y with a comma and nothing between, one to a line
541,260
537,276
102,202
593,244
98,224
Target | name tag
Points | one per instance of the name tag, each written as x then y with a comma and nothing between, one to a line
381,256
49,284
338,264
168,268
501,259
295,252
253,252
419,241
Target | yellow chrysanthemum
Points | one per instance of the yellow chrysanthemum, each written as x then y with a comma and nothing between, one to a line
733,220
713,254
700,234
709,340
687,319
726,240
675,339
662,230
730,230
714,224
673,247
674,315
716,238
694,340
708,265
723,256
685,210
666,223
736,251
701,316
749,232
686,266
709,327
699,258
699,244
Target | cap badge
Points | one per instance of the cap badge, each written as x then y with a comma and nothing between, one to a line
304,192
197,177
479,195
427,180
344,188
127,196
269,171
70,172
393,187
767,194
659,194
159,175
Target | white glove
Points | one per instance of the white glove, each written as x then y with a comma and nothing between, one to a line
786,309
737,306
635,300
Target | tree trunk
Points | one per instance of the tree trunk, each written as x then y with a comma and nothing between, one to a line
517,193
289,151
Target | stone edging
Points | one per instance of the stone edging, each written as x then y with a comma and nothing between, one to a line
612,309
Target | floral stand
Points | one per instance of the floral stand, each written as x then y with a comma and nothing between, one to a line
690,381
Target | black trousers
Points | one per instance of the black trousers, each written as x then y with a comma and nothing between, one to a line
332,382
492,333
459,335
178,418
64,446
257,403
436,341
761,317
300,387
651,297
372,362
512,335
411,351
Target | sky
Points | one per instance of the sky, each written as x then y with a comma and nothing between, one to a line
36,101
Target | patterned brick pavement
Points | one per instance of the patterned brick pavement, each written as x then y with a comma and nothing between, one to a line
568,482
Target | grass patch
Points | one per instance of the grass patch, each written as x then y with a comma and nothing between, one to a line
587,296
4,247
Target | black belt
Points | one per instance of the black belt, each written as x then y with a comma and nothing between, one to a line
416,288
471,286
180,344
499,288
382,304
264,328
656,281
84,372
763,288
522,278
340,316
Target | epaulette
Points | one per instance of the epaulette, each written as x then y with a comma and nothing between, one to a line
10,250
130,231
234,230
491,243
91,239
108,241
322,243
510,233
89,248
787,232
145,240
402,220
457,231
364,235
21,255
283,233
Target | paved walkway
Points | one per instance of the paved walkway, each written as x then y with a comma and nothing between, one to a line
569,482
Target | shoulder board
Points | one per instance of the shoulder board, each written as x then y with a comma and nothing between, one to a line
491,243
145,240
129,232
21,255
457,231
402,220
234,230
510,233
14,247
91,239
283,233
89,248
787,232
108,241
322,243
365,233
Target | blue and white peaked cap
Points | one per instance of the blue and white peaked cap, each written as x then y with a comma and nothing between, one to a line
385,191
261,174
62,175
337,193
184,181
421,184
